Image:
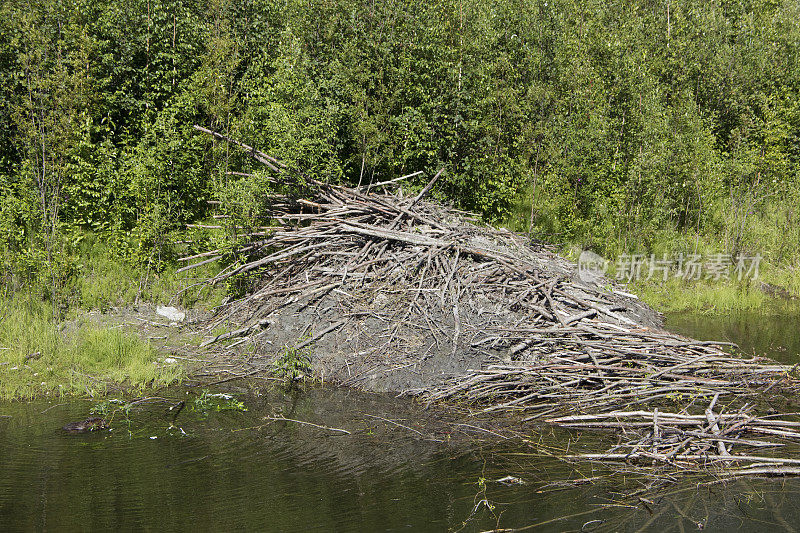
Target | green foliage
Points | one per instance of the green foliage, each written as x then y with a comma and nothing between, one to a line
105,408
614,126
208,401
292,364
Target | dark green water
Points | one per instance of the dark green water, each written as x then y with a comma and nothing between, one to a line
777,337
232,470
236,471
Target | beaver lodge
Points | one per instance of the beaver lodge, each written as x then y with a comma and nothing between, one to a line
391,292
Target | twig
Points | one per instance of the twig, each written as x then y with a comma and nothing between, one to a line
284,419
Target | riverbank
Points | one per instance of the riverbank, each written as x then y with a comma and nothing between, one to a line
88,355
773,294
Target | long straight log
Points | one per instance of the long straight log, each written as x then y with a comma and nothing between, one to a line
267,160
427,188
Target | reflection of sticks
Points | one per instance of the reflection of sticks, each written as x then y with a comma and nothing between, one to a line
180,405
404,427
51,407
241,376
148,399
478,428
699,458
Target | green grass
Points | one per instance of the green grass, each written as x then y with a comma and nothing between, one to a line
720,297
105,280
86,359
72,360
707,296
770,229
699,296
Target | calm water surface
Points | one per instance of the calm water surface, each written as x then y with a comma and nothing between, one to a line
237,471
777,337
230,470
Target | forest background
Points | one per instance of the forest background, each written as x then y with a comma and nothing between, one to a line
629,126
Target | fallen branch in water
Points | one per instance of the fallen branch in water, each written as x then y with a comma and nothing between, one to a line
404,427
681,438
283,419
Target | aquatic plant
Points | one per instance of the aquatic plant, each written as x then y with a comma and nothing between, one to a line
209,401
293,364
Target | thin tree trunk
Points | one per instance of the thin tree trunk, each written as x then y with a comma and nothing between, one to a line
533,196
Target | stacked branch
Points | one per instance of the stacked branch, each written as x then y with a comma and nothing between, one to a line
691,440
386,285
605,366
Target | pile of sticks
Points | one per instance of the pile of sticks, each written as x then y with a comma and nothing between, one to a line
690,440
446,275
601,366
405,280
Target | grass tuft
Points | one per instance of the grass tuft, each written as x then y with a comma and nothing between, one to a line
39,358
719,297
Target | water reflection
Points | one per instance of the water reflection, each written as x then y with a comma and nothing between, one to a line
235,471
777,337
210,473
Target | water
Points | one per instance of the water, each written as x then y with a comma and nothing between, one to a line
237,471
232,470
777,337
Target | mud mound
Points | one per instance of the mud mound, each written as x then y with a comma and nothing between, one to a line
396,293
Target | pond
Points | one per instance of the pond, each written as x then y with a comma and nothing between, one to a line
777,337
398,467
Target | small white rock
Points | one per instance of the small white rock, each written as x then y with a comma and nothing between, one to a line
171,313
170,361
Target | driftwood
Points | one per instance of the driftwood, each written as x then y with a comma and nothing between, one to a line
550,343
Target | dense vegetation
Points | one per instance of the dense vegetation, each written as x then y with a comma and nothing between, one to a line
620,126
